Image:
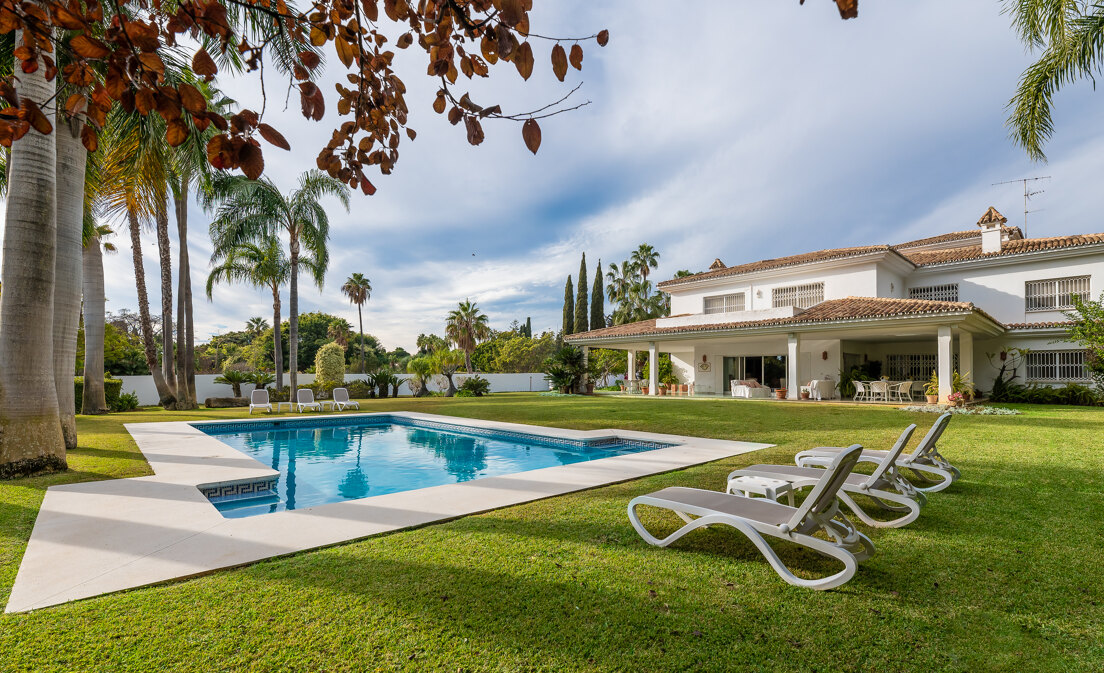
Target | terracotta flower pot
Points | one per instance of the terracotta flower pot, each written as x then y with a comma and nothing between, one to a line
780,394
932,399
804,396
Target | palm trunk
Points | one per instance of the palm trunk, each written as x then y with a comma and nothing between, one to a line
185,375
94,399
164,394
30,425
277,338
71,161
360,315
467,361
293,318
165,252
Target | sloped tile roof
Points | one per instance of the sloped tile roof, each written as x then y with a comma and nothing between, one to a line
1011,232
849,308
780,262
1016,247
992,216
1039,325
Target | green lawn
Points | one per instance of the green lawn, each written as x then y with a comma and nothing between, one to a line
1001,572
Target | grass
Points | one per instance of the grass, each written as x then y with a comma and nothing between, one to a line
1001,572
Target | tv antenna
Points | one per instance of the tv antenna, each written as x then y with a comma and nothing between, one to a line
1028,193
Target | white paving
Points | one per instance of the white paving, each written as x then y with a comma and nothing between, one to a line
98,537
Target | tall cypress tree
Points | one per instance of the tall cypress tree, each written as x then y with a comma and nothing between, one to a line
597,300
582,315
529,327
568,309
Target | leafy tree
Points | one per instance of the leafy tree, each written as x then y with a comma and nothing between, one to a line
606,362
568,309
329,366
1087,329
249,211
429,344
256,326
359,290
582,315
565,369
466,327
519,354
1070,37
446,363
420,368
644,259
597,301
529,327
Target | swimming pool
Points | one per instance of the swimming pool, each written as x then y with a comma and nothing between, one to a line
324,461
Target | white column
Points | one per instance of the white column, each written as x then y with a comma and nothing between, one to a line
966,353
945,362
630,371
653,369
793,351
586,366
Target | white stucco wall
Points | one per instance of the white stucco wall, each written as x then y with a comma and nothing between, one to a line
206,386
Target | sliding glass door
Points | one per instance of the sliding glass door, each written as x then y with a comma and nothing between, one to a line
770,370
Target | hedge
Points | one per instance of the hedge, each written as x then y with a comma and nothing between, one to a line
112,389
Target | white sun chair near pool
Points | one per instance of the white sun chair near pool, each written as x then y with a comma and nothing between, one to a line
885,485
925,462
341,400
304,399
258,399
756,517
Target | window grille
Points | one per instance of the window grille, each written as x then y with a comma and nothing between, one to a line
947,292
1055,294
725,303
800,296
1057,366
913,366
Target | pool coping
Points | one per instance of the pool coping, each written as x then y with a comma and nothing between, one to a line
100,537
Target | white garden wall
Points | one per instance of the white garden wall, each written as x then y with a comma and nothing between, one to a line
206,386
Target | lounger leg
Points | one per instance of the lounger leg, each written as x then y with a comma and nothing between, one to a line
908,505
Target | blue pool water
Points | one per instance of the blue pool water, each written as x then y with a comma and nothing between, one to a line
348,458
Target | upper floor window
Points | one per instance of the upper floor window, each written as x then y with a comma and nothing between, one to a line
800,296
1054,366
1054,294
725,303
948,292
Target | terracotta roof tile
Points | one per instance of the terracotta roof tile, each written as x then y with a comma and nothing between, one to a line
849,308
767,264
1016,247
1039,325
1011,232
992,216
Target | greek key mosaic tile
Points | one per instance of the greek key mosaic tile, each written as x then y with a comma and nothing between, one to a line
240,490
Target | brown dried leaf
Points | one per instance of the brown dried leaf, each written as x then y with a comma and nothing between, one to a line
475,130
273,136
252,161
603,38
89,138
176,132
523,60
531,134
88,47
576,57
203,65
559,61
192,100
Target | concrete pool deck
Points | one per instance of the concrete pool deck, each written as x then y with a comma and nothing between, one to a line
100,537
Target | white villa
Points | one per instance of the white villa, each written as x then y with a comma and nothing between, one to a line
941,303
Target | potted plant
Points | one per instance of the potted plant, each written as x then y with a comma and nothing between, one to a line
780,394
804,392
931,389
957,399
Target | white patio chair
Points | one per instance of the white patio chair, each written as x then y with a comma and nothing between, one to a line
885,485
861,393
925,460
258,399
304,399
903,391
756,517
879,391
341,400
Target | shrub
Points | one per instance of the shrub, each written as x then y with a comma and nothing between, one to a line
464,393
1072,393
112,389
234,378
124,402
262,380
360,389
329,366
475,386
565,369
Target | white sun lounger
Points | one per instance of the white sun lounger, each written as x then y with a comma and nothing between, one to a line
924,461
885,485
258,399
756,517
341,400
304,399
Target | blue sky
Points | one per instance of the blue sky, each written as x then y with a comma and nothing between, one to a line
729,128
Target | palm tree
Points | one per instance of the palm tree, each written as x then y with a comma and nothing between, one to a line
260,265
1071,36
466,327
644,259
358,289
31,438
234,378
255,326
94,400
254,210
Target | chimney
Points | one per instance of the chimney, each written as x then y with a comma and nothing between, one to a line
991,223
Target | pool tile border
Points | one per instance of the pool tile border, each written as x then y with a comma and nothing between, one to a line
95,538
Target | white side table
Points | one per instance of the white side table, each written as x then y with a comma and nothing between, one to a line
280,405
764,486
